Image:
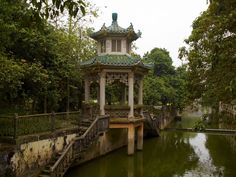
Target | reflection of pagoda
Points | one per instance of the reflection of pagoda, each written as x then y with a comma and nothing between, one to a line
115,65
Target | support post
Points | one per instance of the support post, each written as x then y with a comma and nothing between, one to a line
15,125
102,92
131,132
140,96
131,94
140,137
52,121
86,90
140,92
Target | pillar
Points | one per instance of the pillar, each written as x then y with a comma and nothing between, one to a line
87,90
131,132
140,95
140,137
140,92
131,94
102,84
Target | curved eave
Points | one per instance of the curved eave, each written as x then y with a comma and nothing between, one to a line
130,35
102,65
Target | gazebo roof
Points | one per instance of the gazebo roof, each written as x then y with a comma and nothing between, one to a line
115,30
114,61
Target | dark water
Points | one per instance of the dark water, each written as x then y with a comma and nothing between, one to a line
171,155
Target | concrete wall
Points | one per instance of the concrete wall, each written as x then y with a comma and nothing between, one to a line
109,141
28,158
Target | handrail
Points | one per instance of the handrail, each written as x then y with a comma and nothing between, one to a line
71,148
20,125
61,157
88,130
91,126
48,114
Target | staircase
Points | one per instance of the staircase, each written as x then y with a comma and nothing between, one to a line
89,130
151,125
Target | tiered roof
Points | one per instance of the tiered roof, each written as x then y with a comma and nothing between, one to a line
115,30
111,60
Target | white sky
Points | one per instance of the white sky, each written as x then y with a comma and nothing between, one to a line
163,23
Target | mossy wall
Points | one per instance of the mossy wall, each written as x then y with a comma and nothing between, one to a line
28,158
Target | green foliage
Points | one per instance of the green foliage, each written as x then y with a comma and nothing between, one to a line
164,84
53,8
39,62
161,60
211,54
11,75
199,126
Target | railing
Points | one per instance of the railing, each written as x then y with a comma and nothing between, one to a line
122,111
7,126
117,111
30,124
63,163
103,123
90,111
227,108
99,125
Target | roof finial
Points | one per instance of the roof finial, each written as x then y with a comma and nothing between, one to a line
114,17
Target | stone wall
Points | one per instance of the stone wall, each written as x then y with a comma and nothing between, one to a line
26,159
107,142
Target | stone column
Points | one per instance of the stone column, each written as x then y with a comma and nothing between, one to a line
87,90
102,92
140,92
131,132
140,95
140,137
131,94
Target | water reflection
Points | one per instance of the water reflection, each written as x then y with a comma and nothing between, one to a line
205,165
174,154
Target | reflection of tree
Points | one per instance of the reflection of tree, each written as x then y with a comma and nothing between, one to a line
223,153
170,155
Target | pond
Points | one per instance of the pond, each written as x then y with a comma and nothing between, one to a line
171,155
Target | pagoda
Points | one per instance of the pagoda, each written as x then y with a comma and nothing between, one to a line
114,64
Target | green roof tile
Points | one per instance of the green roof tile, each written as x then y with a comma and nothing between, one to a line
115,29
114,60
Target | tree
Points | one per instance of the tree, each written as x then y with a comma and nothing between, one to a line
54,8
164,84
161,60
39,61
211,54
